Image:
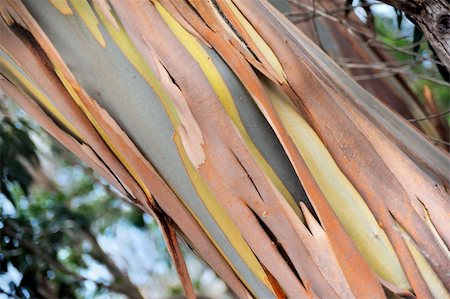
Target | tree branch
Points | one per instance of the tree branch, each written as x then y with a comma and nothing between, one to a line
123,282
433,18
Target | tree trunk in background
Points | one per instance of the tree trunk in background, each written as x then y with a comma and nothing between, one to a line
433,18
228,125
121,282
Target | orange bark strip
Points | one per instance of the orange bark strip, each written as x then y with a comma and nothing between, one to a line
37,66
167,200
80,150
351,150
171,240
338,236
215,143
402,178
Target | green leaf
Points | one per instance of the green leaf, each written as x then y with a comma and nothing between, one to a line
399,14
417,36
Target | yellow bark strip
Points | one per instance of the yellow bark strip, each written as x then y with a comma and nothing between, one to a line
224,221
71,90
62,6
90,20
219,214
262,46
344,199
105,9
433,282
127,47
27,85
435,232
209,69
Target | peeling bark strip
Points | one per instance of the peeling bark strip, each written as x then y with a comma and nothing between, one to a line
339,42
171,205
182,138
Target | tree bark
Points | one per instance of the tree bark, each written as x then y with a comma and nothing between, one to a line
433,18
207,169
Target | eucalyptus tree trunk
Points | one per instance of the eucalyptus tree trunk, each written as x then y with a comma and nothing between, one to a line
234,130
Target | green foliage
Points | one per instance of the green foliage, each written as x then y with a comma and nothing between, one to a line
47,237
15,144
414,50
20,232
52,211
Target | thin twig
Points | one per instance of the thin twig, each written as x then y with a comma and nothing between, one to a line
379,66
394,72
304,16
10,295
370,40
357,63
316,31
390,71
440,141
429,116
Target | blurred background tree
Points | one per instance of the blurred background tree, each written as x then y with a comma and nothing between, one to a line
65,233
383,49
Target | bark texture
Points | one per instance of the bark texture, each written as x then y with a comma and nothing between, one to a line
221,119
